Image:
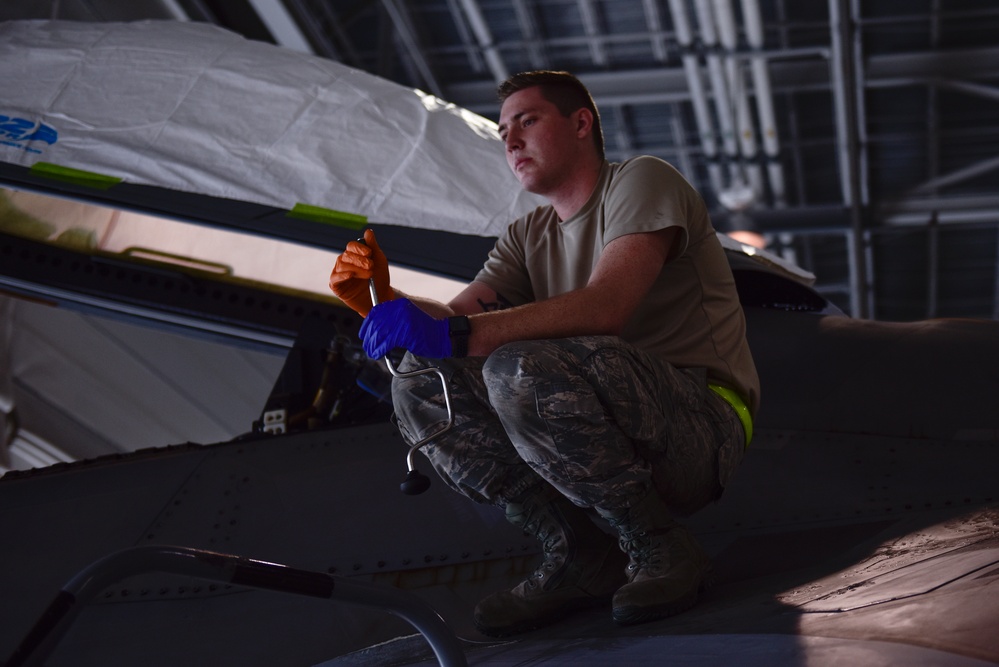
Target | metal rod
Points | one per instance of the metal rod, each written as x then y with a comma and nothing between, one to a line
842,26
422,371
84,587
698,93
933,268
480,27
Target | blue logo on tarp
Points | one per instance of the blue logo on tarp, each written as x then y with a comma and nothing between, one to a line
19,132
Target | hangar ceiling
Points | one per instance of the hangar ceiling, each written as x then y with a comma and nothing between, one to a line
861,139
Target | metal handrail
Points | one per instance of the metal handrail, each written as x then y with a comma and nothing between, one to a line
42,639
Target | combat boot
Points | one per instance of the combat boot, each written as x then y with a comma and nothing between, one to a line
668,568
582,568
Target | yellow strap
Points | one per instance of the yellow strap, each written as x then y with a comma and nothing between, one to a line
733,399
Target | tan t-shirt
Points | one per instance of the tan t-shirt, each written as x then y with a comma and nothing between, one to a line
690,318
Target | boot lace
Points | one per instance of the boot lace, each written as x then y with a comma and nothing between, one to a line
550,538
644,548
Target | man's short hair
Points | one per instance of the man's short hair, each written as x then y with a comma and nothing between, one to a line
563,90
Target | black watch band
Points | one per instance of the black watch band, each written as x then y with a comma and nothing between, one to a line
458,329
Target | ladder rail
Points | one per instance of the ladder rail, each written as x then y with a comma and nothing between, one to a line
53,624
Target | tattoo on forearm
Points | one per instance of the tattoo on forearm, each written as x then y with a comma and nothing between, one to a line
499,304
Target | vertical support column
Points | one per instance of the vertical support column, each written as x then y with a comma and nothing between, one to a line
843,26
995,291
933,268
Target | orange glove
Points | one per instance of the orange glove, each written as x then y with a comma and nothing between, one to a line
354,268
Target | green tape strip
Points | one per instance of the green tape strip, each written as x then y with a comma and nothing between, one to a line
87,179
328,216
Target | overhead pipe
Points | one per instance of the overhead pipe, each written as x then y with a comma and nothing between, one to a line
728,37
729,40
281,25
468,41
957,176
995,292
531,41
398,12
654,19
841,24
842,98
860,104
723,97
719,84
592,28
176,11
753,24
698,95
494,60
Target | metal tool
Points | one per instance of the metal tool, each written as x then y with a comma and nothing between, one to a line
416,482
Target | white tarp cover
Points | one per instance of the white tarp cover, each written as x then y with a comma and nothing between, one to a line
195,108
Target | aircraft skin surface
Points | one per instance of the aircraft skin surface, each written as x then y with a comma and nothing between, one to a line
861,529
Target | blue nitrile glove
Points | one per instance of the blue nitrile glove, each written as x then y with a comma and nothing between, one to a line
399,323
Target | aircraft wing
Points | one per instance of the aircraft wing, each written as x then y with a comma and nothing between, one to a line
860,529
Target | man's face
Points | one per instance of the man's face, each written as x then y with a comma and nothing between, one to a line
541,143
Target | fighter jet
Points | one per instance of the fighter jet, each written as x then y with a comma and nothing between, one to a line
860,528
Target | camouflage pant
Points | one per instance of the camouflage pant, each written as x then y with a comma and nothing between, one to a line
593,416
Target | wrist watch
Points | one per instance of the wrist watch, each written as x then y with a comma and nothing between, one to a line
458,329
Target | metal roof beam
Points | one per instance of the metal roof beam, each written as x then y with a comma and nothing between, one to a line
327,31
845,75
175,10
593,29
473,12
532,42
406,31
281,25
975,89
965,209
808,73
465,35
958,176
653,16
607,88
